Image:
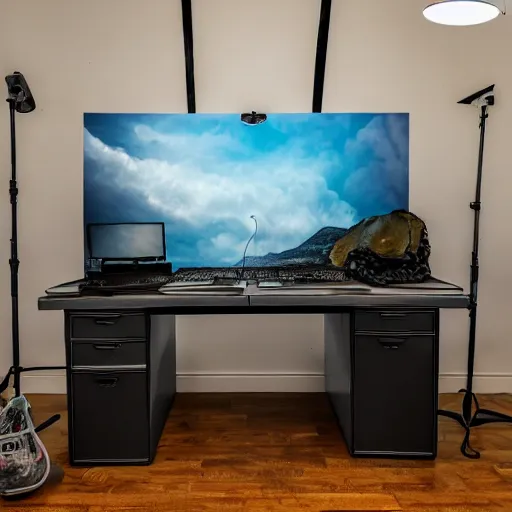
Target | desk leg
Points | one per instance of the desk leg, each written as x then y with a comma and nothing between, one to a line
162,374
338,370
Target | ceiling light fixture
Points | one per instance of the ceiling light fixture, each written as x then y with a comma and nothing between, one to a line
462,12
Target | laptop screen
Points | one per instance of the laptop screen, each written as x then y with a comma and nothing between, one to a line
120,242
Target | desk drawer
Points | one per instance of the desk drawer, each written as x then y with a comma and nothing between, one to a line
108,326
108,353
109,417
395,399
394,321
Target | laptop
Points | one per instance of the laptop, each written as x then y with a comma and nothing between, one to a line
122,258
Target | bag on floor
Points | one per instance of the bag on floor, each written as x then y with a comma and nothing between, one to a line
24,461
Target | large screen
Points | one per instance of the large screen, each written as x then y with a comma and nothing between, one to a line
291,186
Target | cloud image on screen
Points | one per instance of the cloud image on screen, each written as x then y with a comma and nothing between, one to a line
305,178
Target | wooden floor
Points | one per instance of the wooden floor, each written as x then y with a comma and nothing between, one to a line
275,452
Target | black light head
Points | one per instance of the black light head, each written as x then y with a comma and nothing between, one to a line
19,93
480,98
253,118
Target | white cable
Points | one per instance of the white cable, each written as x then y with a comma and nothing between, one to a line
247,245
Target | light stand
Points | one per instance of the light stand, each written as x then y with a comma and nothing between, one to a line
20,100
483,100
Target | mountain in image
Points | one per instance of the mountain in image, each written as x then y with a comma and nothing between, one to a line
314,251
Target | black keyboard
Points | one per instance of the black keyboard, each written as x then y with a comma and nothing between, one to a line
312,275
141,283
296,274
193,275
124,283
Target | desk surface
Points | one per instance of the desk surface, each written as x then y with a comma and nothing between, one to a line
252,303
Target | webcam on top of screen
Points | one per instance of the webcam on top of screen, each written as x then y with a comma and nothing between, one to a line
253,118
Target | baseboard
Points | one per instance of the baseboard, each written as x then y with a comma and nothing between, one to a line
44,383
482,382
55,383
250,382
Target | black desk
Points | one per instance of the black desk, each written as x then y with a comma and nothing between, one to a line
381,367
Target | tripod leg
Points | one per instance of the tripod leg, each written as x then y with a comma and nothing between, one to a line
5,383
466,449
470,397
454,416
483,416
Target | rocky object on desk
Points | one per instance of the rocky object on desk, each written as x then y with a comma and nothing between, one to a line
314,251
385,249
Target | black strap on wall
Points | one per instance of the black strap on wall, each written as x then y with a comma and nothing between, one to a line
321,54
188,44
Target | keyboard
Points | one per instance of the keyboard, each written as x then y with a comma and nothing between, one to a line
291,274
141,283
213,275
124,283
312,275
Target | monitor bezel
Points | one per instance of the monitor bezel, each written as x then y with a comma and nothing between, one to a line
145,258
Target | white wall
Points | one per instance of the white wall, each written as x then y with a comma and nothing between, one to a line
127,56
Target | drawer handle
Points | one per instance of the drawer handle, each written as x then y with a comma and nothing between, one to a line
107,382
392,343
101,321
107,346
392,315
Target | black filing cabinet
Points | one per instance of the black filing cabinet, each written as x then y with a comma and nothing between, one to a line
381,377
121,383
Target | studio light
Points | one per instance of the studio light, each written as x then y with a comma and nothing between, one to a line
20,100
462,12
